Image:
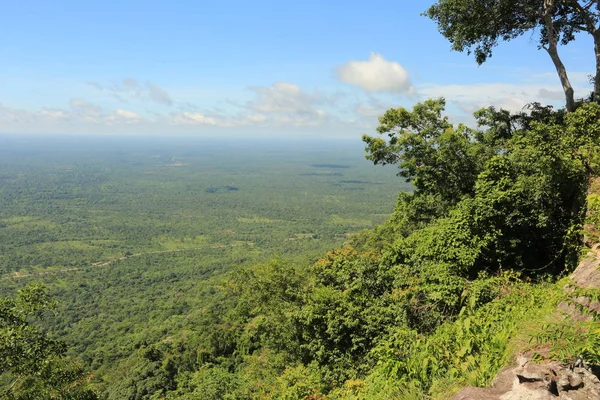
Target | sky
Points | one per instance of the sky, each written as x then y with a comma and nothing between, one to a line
260,67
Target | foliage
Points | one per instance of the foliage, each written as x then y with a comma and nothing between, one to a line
593,202
477,26
62,212
33,363
426,302
570,340
520,202
431,299
430,153
469,350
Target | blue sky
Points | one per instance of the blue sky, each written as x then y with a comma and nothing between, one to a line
249,67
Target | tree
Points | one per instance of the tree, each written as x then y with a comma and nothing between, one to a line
510,195
436,157
476,26
32,365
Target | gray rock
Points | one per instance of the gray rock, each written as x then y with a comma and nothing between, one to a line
530,381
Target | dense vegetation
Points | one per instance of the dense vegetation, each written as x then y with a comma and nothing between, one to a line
195,269
425,302
34,366
71,202
72,208
431,298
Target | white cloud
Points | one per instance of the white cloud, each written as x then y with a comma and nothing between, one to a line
131,83
283,98
54,114
284,104
84,111
510,96
251,119
315,118
551,94
298,120
365,110
192,118
196,118
124,116
376,75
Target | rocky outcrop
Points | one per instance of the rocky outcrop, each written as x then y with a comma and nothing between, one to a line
531,381
587,275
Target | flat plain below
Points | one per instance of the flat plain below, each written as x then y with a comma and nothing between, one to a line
134,235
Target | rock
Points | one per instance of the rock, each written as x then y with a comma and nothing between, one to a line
587,273
531,381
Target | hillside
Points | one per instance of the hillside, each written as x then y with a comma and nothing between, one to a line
561,360
465,275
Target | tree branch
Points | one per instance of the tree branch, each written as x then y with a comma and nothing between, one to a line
590,23
583,28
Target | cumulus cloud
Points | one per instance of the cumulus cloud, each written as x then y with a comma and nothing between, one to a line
283,98
124,116
84,111
251,119
299,120
243,119
197,118
376,75
192,118
282,104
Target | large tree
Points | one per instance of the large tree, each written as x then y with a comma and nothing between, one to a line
476,26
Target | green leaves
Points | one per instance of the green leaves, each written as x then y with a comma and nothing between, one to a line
426,302
429,152
509,196
33,363
477,26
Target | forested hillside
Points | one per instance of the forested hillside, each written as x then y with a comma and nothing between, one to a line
429,301
197,268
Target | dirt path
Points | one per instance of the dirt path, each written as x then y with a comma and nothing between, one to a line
17,275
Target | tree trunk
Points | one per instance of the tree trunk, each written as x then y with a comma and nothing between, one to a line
596,95
552,49
564,78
